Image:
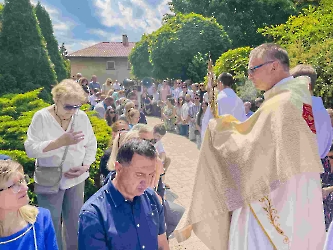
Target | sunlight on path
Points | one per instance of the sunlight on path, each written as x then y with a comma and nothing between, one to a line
180,176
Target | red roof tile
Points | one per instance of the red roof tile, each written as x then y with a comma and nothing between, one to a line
105,49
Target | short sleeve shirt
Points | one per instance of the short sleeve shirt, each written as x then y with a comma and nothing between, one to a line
109,221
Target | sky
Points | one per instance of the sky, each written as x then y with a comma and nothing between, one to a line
82,23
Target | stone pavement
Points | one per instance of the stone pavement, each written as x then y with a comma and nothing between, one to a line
180,176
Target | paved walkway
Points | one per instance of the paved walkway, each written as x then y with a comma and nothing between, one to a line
180,176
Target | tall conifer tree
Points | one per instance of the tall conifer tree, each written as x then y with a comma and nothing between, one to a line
25,63
45,25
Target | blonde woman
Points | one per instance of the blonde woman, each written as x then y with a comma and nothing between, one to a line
61,136
142,131
128,106
133,117
107,86
22,227
117,127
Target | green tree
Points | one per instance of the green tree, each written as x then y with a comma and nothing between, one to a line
308,39
63,52
45,25
173,46
240,18
139,58
25,63
235,62
197,69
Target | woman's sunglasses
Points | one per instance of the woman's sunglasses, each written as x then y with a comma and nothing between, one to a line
71,107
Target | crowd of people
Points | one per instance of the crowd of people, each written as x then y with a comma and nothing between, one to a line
130,209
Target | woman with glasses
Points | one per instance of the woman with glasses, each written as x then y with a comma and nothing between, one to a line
61,136
110,116
22,226
117,127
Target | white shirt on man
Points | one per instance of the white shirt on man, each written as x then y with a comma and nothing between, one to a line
175,92
228,104
92,100
44,129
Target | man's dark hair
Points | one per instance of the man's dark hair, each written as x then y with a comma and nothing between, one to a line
305,70
160,129
226,79
135,146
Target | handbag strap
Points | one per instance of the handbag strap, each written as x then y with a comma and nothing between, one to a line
66,149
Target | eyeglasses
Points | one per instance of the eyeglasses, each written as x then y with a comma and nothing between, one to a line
71,107
16,187
112,112
253,69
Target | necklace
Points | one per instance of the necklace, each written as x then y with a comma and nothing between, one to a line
60,117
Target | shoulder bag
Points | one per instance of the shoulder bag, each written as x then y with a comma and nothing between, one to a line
47,179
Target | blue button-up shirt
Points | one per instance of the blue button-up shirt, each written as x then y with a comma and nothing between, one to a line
108,221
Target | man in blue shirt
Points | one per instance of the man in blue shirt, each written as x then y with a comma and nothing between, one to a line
125,214
94,84
248,111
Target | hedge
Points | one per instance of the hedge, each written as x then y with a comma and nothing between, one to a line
16,112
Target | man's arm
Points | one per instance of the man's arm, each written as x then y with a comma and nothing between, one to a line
163,243
91,234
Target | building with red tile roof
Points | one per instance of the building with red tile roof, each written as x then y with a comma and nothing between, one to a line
104,59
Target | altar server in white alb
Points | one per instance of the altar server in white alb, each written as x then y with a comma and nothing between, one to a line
227,101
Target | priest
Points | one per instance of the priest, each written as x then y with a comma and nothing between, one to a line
257,182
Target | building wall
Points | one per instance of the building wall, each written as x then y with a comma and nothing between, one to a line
97,66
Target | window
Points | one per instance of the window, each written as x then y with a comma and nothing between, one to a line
110,65
129,65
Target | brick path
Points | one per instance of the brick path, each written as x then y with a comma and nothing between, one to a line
180,176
